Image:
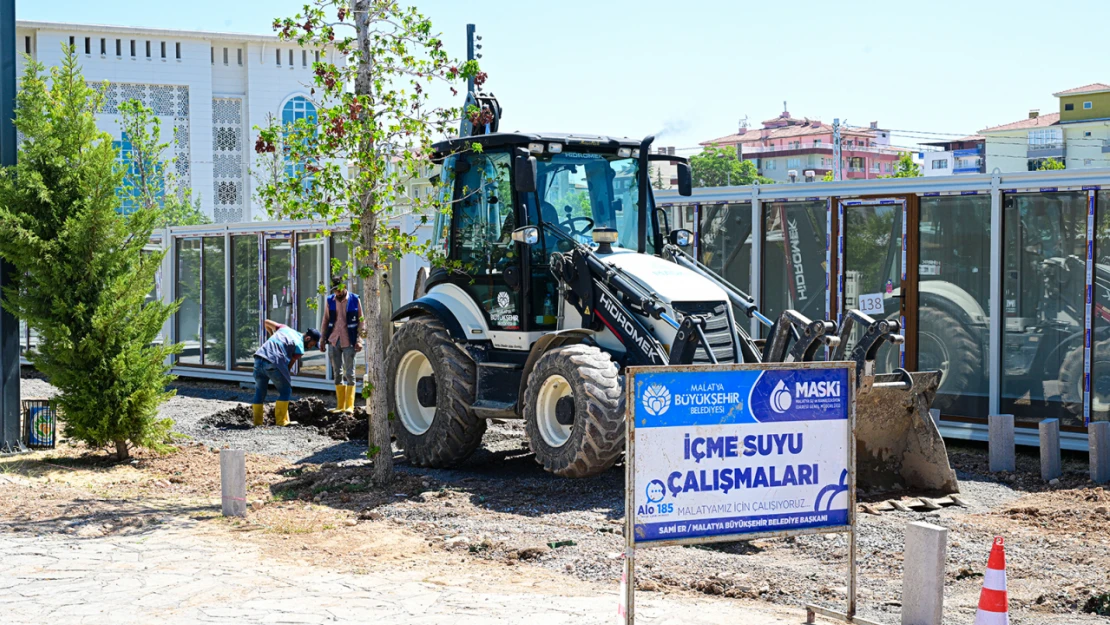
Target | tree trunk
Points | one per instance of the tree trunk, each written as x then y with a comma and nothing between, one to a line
377,405
123,451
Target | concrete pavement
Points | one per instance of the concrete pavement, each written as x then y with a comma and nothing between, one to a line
171,575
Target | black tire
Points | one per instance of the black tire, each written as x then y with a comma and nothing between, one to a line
455,432
955,352
596,439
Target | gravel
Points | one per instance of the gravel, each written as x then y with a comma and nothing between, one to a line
500,506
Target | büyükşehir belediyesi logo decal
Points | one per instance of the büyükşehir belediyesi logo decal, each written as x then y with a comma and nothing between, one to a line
781,399
656,399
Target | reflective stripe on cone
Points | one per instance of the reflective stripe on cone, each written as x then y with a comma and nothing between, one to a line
993,605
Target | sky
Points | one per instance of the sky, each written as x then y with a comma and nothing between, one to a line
688,71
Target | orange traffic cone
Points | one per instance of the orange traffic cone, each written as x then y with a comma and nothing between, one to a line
994,609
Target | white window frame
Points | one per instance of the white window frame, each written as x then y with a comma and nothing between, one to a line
1088,105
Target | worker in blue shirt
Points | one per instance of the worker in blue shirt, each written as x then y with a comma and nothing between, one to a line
273,362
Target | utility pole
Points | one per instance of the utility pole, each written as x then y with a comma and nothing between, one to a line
837,172
9,325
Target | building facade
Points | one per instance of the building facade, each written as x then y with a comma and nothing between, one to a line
787,146
208,91
953,158
1077,134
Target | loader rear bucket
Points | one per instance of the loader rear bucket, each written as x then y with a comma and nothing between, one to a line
898,446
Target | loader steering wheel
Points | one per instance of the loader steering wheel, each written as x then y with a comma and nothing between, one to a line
569,225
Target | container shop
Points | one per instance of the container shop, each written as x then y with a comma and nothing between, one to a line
938,253
230,277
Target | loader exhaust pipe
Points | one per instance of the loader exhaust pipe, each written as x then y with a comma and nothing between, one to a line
643,182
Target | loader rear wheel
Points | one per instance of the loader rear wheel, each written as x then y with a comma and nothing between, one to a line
1071,379
574,411
431,388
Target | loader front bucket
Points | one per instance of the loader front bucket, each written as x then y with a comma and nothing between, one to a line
898,445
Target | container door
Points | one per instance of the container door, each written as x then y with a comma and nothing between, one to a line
872,263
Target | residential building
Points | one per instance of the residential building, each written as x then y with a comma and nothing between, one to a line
1078,134
787,146
208,90
956,157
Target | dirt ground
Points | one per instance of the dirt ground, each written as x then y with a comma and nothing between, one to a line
500,512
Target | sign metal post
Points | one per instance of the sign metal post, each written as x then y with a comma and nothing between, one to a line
719,453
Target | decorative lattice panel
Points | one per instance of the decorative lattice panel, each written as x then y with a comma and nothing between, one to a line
227,159
165,101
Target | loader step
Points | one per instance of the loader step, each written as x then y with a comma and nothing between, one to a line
494,410
498,385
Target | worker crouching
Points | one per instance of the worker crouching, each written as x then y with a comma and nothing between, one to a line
273,362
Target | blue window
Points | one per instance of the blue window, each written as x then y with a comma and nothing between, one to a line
129,193
297,109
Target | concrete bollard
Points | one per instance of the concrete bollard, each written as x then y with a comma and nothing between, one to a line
923,575
1098,441
1051,467
1003,456
233,481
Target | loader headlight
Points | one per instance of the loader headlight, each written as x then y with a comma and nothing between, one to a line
535,148
624,152
605,235
555,148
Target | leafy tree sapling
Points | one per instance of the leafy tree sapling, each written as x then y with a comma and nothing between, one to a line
372,131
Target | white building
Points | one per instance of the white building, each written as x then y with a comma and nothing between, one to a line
954,157
209,90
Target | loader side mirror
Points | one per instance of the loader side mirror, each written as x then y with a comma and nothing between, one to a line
528,235
685,180
681,237
524,174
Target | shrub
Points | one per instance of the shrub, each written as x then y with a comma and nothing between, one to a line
83,275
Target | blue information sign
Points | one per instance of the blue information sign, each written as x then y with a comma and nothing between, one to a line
733,451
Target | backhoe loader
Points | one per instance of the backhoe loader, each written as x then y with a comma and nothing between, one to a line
558,277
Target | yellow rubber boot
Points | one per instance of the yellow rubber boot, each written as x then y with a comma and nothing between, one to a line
281,413
340,398
259,411
350,406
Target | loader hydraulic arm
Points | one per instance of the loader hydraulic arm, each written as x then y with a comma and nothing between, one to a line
604,296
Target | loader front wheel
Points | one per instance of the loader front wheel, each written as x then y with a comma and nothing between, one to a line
574,411
431,389
944,344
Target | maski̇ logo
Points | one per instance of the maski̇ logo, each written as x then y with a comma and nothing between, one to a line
781,399
657,399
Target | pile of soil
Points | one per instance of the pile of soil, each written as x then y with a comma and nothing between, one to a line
310,412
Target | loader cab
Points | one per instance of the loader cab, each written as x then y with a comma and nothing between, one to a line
580,184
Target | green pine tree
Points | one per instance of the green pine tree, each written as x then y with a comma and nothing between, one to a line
82,272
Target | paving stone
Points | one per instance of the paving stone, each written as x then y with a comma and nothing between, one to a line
174,578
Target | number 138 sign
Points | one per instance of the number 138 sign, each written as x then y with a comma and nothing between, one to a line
871,304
